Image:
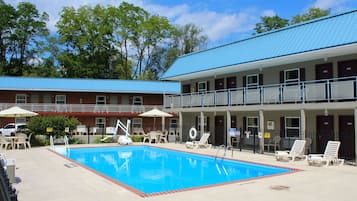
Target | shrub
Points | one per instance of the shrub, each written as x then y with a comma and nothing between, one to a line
39,124
137,138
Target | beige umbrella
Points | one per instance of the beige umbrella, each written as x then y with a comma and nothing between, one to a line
155,113
17,112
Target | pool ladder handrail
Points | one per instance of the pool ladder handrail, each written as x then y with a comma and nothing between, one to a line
225,148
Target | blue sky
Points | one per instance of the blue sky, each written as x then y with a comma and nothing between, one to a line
223,21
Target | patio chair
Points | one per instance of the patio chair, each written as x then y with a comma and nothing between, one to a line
21,140
329,157
297,151
163,136
273,142
5,143
146,137
28,141
202,143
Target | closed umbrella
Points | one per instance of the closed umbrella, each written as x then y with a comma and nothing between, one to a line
155,113
17,112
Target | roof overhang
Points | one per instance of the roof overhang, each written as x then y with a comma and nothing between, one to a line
322,54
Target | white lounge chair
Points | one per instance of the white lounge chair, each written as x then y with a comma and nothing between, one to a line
297,151
202,143
330,155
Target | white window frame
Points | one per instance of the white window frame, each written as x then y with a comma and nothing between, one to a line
290,127
137,100
252,84
202,86
173,123
292,80
100,122
98,100
21,98
60,99
137,123
252,126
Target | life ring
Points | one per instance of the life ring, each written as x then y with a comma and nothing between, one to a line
193,133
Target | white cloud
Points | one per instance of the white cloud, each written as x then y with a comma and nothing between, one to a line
269,13
334,5
215,25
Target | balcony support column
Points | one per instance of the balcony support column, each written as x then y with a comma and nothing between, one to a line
303,124
180,126
229,121
355,115
261,130
202,119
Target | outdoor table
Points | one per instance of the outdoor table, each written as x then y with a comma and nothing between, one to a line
155,135
13,140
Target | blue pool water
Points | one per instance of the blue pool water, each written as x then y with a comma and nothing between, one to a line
154,170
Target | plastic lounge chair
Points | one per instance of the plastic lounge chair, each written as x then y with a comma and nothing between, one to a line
297,151
202,143
330,155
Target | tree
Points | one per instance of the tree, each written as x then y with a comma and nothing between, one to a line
183,40
87,36
21,31
275,22
313,13
7,22
270,23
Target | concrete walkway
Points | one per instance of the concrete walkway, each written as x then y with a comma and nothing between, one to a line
44,175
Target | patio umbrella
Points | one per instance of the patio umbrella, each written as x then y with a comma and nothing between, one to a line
155,113
17,112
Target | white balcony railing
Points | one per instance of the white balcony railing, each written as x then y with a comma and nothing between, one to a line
83,108
337,89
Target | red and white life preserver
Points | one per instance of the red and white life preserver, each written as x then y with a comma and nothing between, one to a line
193,133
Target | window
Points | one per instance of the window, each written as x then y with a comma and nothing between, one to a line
253,125
137,100
292,127
137,123
173,123
100,122
20,98
252,80
100,100
20,120
60,99
292,75
202,86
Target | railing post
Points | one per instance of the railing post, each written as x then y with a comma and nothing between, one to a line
303,92
328,88
281,94
261,93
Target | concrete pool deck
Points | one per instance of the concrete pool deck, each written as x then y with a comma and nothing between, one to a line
44,175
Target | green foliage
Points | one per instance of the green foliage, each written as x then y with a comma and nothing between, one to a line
39,124
270,23
40,140
276,22
312,14
20,36
75,140
137,138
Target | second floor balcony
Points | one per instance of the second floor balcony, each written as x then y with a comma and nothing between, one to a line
83,108
337,89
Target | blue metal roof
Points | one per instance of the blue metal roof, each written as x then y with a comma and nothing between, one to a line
89,85
322,33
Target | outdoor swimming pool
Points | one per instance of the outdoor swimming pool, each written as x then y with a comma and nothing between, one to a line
149,170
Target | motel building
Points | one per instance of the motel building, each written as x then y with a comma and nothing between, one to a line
298,82
97,104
